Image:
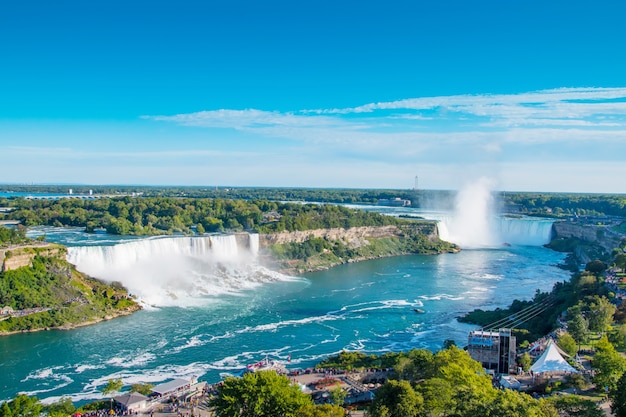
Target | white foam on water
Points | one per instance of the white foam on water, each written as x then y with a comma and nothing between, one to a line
178,271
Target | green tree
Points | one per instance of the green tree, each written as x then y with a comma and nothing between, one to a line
608,365
21,406
111,388
595,267
259,394
200,229
566,342
577,326
324,410
142,388
62,408
600,314
396,399
337,396
448,343
620,261
525,361
618,397
509,403
5,410
574,406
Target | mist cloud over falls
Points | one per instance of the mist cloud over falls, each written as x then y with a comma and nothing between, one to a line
475,222
181,271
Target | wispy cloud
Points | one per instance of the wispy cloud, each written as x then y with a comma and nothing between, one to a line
592,108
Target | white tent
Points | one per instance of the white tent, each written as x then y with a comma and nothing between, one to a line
551,361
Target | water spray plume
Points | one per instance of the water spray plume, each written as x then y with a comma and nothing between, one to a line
182,271
471,225
475,222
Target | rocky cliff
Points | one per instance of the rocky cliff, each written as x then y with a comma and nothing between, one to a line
601,236
352,235
17,257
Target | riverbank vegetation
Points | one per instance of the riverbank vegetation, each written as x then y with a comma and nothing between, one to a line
50,293
543,204
12,236
318,253
164,215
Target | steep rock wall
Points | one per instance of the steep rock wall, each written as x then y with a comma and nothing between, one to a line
17,257
602,238
353,234
600,235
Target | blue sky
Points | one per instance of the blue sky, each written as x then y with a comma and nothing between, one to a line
335,93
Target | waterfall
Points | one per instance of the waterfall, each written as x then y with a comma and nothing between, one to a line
474,223
177,271
495,231
253,243
525,230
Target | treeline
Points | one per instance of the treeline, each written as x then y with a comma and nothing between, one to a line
322,195
166,215
57,295
556,204
561,204
446,383
12,236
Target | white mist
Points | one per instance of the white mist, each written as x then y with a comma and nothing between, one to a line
471,225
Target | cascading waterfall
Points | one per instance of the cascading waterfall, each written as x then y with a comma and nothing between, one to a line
503,230
474,224
179,271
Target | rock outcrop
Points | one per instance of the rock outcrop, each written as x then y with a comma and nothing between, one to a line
19,256
601,236
353,234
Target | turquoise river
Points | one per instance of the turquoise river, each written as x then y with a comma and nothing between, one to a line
211,310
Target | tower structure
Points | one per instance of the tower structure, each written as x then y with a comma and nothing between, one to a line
494,350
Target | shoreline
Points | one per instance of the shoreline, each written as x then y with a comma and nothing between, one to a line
72,326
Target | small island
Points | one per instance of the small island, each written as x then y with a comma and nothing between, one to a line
40,290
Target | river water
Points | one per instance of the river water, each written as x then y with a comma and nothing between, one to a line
366,306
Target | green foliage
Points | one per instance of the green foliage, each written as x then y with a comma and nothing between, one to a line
163,215
566,342
618,397
525,361
577,381
60,295
324,410
21,406
396,399
61,408
620,261
351,361
595,267
574,406
608,365
142,388
600,313
12,236
113,386
315,253
577,325
259,394
562,204
337,396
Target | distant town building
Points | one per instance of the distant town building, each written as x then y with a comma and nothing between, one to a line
394,202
